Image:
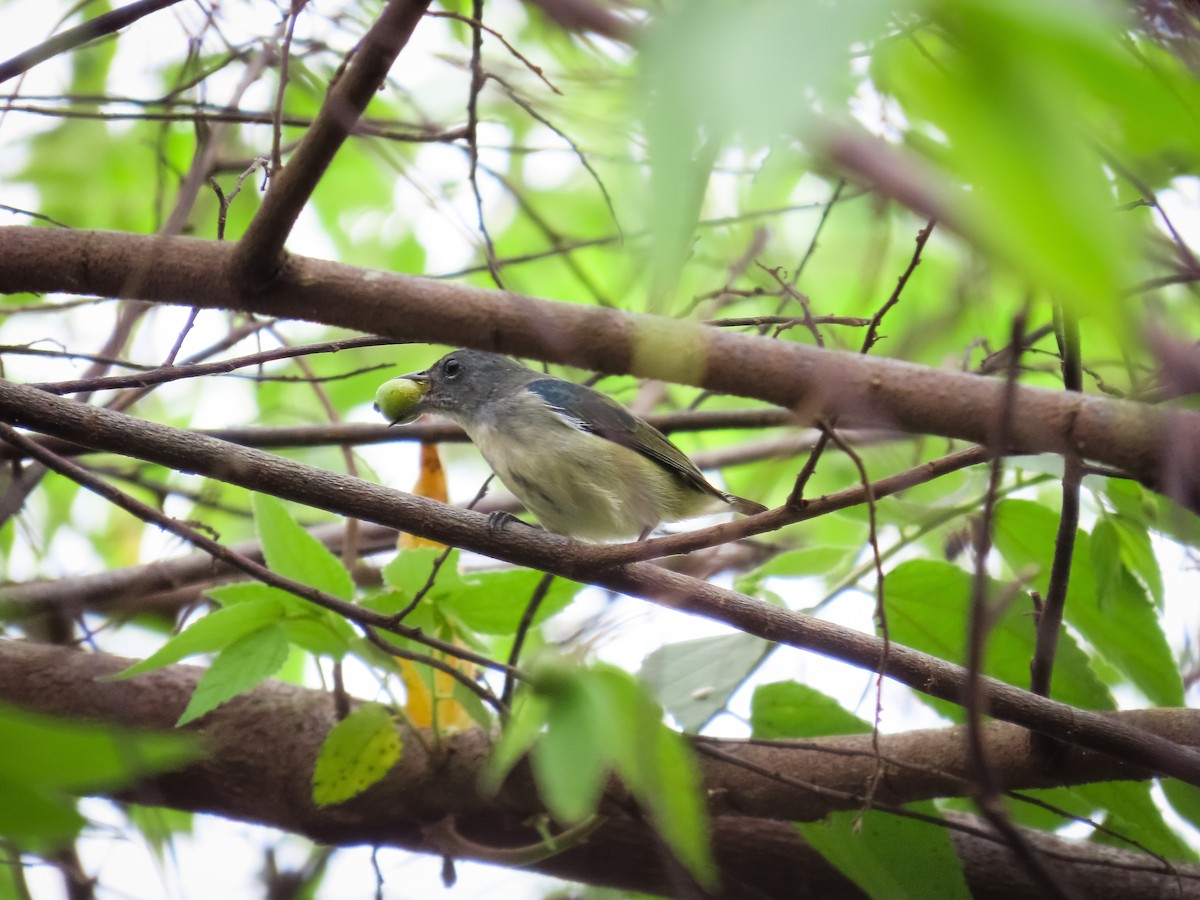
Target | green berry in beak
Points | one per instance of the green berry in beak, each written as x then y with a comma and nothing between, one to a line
399,400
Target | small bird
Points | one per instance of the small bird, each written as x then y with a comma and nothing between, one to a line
581,462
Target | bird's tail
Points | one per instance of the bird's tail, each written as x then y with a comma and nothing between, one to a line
744,506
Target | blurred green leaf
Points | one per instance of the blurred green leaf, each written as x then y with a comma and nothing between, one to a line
573,758
159,825
713,70
44,759
599,721
35,819
993,87
521,731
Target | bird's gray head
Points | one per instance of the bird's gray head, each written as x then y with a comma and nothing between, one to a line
466,384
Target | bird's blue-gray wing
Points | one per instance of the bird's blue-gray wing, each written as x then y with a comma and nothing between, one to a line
597,413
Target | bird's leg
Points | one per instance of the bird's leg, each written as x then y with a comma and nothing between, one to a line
499,518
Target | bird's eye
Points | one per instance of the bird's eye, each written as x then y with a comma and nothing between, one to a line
452,368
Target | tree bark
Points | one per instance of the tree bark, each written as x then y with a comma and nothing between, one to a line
1158,448
261,746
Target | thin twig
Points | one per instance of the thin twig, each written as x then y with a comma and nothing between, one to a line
285,55
980,623
758,321
527,617
881,621
520,57
575,148
1049,622
873,331
788,289
477,82
812,244
166,373
202,114
105,24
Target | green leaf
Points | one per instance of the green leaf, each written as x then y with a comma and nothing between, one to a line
247,591
598,721
1184,798
475,707
494,602
243,665
694,679
788,709
43,759
1133,811
291,551
986,102
1130,500
35,819
359,751
927,605
809,561
1125,629
525,723
306,624
572,759
658,766
159,825
890,856
409,571
675,798
1137,553
1105,555
79,756
330,636
713,70
214,632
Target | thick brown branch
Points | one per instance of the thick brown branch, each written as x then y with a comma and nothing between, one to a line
255,470
261,747
859,391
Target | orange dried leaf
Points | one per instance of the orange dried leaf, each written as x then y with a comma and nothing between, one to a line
431,483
